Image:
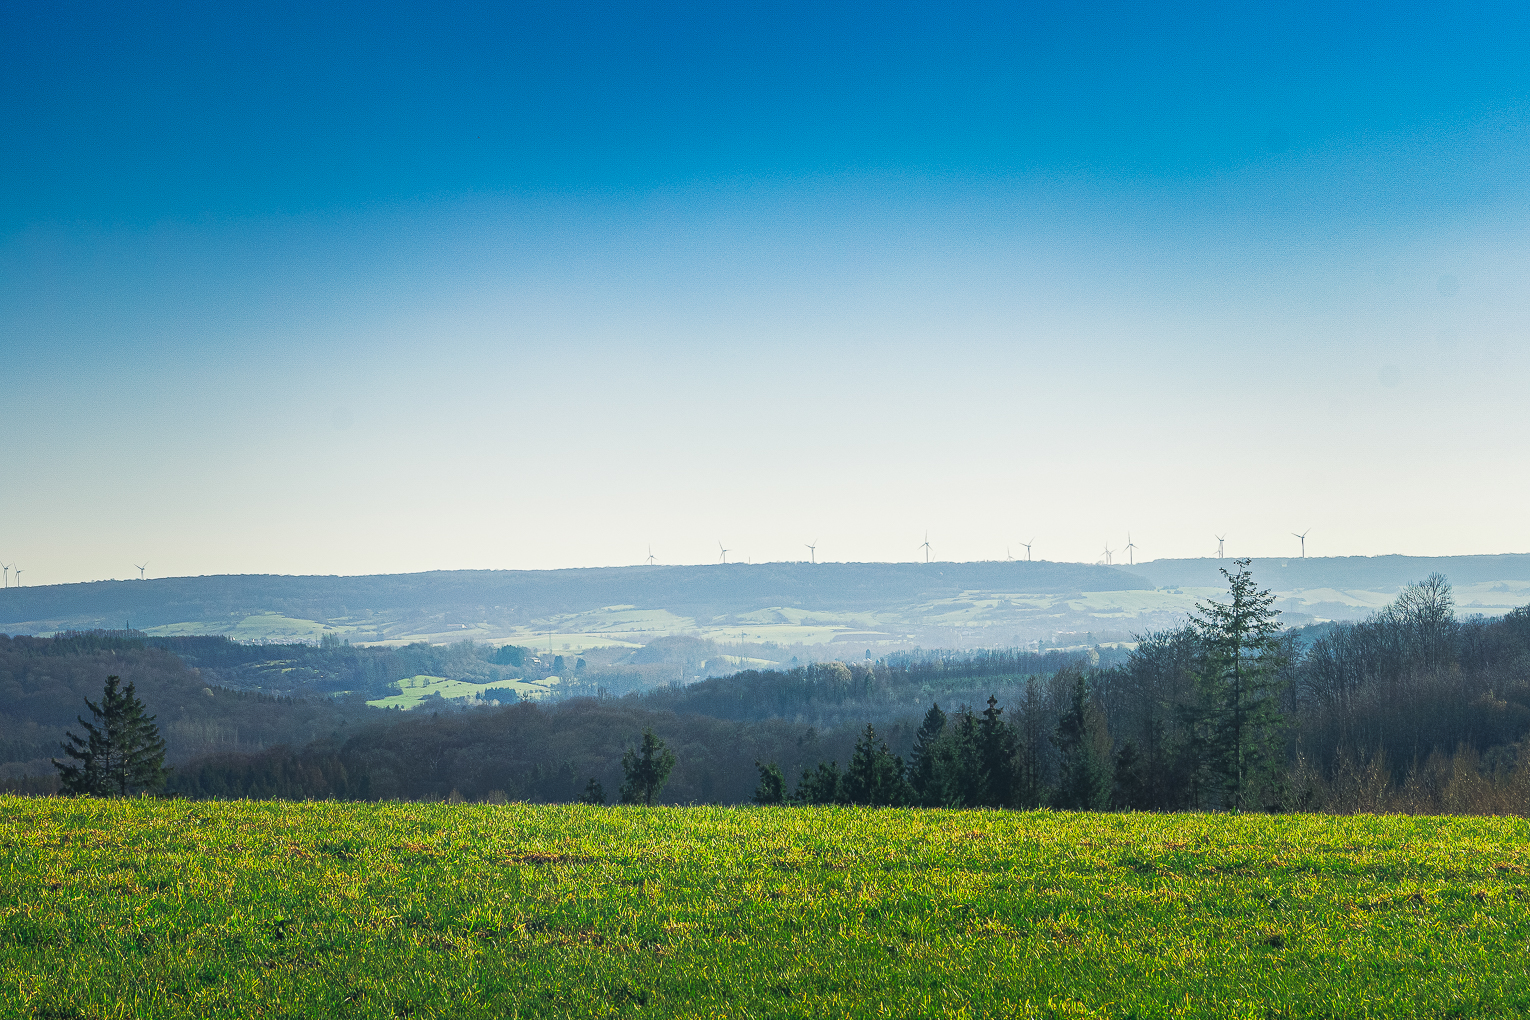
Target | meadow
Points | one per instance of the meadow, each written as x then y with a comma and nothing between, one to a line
139,908
414,690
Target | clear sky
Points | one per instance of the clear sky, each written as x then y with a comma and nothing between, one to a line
370,289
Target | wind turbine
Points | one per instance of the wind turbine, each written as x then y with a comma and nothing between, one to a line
1303,537
1220,539
723,555
1028,549
1131,559
926,547
140,567
1008,558
650,554
7,567
18,577
812,551
1107,554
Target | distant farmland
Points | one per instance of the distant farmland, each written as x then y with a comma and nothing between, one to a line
768,612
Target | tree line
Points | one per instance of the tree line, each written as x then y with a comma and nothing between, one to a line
1414,709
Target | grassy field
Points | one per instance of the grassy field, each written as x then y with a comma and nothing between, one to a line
154,908
415,689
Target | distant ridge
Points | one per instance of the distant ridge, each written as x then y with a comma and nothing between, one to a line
687,590
1373,573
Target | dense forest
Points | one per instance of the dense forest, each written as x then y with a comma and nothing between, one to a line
44,683
1412,709
334,667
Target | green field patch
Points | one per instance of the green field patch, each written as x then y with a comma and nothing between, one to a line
1358,599
782,634
238,909
271,627
617,620
414,690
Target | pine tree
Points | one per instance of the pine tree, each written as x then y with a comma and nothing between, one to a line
822,785
1030,763
772,788
122,756
921,766
875,775
646,770
959,774
996,749
1084,745
1241,681
594,793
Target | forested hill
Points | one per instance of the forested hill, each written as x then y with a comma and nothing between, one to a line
524,595
1369,573
767,614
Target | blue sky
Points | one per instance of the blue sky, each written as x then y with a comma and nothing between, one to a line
355,291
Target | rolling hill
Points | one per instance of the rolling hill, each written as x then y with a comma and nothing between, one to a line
764,611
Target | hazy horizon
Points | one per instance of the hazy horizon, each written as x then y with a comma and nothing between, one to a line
1227,562
352,292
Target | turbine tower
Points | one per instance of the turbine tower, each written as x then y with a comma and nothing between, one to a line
1303,537
1220,539
926,547
650,554
140,567
812,551
722,554
1131,559
1028,549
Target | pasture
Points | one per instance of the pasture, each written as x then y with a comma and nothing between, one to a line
415,690
153,908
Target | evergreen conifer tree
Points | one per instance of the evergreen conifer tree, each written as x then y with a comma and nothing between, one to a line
646,770
875,775
772,788
1084,746
1030,764
996,748
124,755
822,785
963,781
922,775
1241,681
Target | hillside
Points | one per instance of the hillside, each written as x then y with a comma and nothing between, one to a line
44,684
757,614
780,603
1363,573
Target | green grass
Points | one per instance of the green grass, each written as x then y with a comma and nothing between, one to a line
415,689
155,908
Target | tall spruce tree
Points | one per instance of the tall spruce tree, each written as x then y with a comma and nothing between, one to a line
922,775
1083,743
875,776
772,788
997,744
1030,762
963,781
122,756
823,785
1241,682
646,770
